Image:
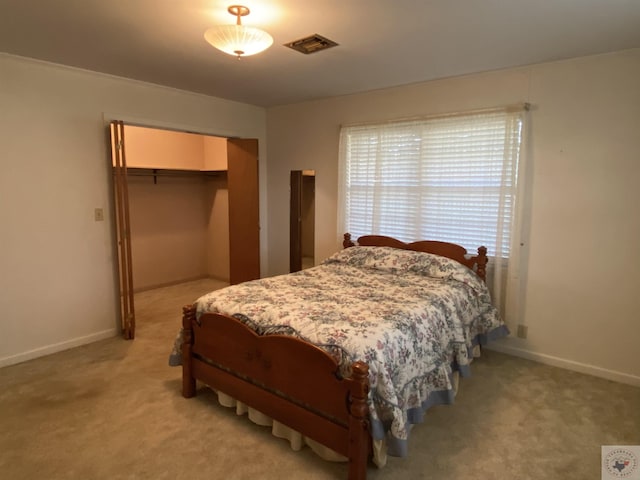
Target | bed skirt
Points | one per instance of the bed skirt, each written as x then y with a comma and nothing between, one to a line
298,441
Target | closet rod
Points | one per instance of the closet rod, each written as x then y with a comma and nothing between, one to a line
156,172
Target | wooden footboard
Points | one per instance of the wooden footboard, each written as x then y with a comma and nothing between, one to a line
290,380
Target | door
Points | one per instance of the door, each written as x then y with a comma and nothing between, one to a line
244,212
123,232
295,222
302,220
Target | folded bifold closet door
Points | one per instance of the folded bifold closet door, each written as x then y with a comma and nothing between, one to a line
123,230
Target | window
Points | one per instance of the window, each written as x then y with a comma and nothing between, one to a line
453,178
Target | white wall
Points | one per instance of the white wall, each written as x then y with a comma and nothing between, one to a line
582,299
57,282
57,278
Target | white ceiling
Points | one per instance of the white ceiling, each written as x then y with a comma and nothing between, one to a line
382,43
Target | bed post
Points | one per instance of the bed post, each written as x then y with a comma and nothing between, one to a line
188,381
358,423
481,261
347,242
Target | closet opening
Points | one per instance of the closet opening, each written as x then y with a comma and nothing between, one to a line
186,212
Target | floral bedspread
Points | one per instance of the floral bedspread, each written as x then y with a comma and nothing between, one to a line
413,317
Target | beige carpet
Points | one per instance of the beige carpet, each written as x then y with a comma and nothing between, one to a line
113,410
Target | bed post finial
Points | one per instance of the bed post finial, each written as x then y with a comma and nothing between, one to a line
347,242
188,381
482,261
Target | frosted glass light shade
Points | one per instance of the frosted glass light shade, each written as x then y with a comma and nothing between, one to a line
238,40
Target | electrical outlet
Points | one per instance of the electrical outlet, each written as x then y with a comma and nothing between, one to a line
522,331
98,214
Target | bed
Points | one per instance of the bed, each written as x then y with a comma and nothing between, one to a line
350,353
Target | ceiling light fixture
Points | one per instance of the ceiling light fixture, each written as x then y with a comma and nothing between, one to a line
238,39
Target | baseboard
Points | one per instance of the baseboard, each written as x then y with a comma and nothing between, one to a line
176,282
57,347
566,364
155,286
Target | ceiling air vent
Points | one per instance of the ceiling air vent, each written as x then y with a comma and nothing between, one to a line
311,44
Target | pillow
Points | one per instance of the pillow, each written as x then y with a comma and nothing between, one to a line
399,261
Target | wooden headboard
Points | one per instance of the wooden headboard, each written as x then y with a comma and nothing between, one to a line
477,263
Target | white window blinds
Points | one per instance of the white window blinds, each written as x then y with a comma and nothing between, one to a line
450,179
